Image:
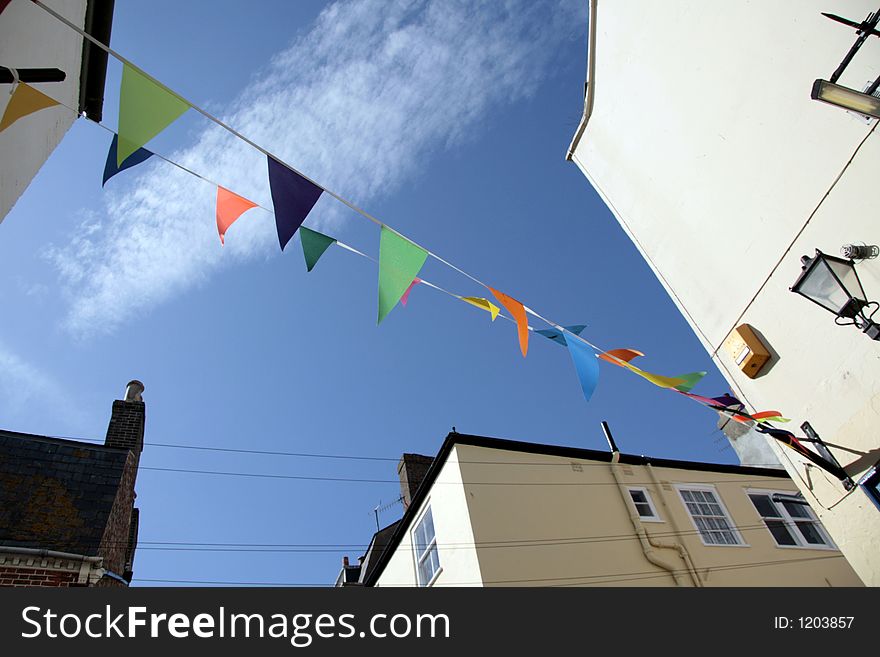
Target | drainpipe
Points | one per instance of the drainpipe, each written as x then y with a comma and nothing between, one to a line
682,550
648,544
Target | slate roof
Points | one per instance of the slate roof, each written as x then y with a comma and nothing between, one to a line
377,549
56,494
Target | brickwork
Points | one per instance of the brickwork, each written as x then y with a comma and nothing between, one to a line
411,469
37,577
114,543
126,428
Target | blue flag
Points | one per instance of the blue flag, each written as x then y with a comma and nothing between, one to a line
293,198
586,364
111,168
557,335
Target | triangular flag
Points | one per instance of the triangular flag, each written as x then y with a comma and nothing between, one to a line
25,100
314,244
690,380
657,379
614,356
399,263
727,400
146,108
621,357
293,197
586,365
485,304
405,298
516,309
557,336
110,166
703,400
230,206
770,416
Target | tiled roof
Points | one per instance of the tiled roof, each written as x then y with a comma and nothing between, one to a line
56,494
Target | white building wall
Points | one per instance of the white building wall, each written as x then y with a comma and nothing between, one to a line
704,142
452,524
31,38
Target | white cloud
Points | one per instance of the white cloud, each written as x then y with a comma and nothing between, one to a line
358,104
22,385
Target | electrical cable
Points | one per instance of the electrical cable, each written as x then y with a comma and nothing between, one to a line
560,581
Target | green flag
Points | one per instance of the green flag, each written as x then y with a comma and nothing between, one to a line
145,109
689,381
314,244
399,263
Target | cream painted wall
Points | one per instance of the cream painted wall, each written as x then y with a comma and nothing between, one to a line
559,526
455,539
31,38
706,146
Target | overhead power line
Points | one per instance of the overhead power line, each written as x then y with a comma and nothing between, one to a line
367,480
575,580
190,546
360,457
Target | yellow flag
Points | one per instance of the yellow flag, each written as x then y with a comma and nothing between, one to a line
25,100
657,379
485,304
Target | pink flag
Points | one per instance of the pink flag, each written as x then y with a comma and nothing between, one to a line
405,296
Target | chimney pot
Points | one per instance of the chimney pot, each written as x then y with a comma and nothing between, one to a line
133,391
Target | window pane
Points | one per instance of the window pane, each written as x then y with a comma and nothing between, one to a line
780,532
638,496
765,506
797,510
810,533
424,533
709,517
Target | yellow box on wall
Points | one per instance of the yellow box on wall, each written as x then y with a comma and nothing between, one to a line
747,350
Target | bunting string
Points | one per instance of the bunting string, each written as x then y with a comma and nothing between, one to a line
293,199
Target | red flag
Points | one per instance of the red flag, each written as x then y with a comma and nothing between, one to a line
229,208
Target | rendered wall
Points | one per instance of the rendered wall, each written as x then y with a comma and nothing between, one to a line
455,539
31,38
550,521
705,144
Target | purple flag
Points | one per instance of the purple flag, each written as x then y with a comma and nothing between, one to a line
293,198
728,400
111,168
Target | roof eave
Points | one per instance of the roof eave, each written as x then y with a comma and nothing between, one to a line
589,85
98,23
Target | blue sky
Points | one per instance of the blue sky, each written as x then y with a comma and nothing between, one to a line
448,122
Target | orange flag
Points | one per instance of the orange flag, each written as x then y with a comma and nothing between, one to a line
25,100
625,355
516,309
229,208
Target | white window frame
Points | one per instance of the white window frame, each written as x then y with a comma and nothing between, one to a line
418,558
654,517
791,522
732,528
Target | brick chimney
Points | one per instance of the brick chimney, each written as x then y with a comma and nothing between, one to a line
412,470
126,428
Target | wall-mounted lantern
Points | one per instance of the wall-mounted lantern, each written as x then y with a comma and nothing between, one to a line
834,284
